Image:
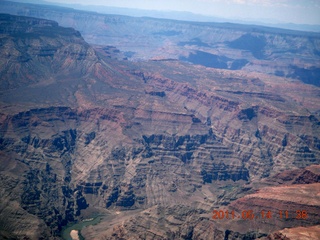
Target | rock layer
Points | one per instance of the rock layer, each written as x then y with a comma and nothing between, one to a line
217,45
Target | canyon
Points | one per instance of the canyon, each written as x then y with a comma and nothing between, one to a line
104,122
285,53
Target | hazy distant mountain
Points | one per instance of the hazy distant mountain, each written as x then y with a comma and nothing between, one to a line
179,15
219,45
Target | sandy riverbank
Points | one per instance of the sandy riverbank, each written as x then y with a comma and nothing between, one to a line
74,235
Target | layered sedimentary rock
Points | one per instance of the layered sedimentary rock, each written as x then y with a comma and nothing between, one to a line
306,175
250,217
289,206
216,45
159,144
30,47
300,233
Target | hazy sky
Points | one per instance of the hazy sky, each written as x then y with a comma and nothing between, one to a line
288,11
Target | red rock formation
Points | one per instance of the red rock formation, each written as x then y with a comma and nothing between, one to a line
289,206
298,233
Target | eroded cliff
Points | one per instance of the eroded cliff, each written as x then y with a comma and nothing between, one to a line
286,53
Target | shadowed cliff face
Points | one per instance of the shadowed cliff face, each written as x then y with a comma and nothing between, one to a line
30,47
159,143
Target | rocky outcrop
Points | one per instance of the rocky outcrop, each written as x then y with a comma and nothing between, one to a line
312,233
287,206
307,175
40,50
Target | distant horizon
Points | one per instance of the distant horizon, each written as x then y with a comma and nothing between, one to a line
268,11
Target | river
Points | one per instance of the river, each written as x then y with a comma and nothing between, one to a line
79,226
